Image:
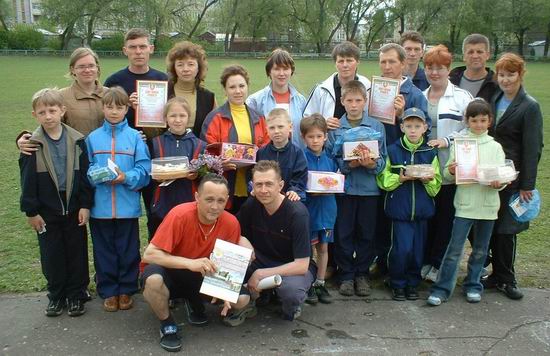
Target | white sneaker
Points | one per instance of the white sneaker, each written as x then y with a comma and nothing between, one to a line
432,275
434,301
473,297
425,270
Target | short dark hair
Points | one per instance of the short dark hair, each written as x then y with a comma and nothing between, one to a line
346,49
265,165
115,95
235,69
354,86
478,106
313,121
134,33
213,178
476,38
411,36
401,54
281,58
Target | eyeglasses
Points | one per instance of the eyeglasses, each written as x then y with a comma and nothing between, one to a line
83,68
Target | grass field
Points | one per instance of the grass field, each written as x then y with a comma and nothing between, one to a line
22,76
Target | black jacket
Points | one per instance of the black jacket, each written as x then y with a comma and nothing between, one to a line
519,131
488,88
39,190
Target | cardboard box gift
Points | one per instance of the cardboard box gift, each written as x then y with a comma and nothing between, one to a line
242,154
325,182
166,168
351,150
419,170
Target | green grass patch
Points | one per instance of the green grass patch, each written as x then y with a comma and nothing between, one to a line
22,76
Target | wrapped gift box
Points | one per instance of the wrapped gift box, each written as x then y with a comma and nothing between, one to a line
325,182
419,170
167,168
351,150
242,154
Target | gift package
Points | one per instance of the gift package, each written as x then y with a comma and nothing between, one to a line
487,173
419,170
167,168
325,182
100,175
242,154
352,150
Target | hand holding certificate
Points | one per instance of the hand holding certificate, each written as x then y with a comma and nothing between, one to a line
467,160
152,96
382,97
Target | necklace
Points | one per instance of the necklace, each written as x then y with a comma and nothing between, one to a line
209,232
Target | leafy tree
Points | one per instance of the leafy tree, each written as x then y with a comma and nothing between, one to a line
5,13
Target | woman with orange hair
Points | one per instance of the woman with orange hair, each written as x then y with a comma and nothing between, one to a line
446,105
518,128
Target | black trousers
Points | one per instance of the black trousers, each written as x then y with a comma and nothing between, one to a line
503,248
64,257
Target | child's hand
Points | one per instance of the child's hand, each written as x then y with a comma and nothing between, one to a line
403,178
452,168
120,178
354,163
192,175
496,184
438,143
426,180
366,161
228,166
399,105
26,146
333,123
37,223
133,100
292,196
83,216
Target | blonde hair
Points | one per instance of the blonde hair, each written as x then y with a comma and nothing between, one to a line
176,100
81,53
278,112
47,97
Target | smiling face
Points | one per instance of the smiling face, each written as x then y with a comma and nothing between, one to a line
390,65
48,116
211,200
315,139
236,89
478,124
509,82
280,75
279,129
414,52
186,69
177,118
346,67
138,51
414,128
476,56
85,70
267,186
437,75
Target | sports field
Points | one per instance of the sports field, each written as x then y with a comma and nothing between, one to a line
22,76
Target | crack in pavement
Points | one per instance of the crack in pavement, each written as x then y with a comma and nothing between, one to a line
512,330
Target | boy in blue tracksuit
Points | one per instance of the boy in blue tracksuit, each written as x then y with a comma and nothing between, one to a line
356,217
408,203
321,207
177,141
290,157
116,209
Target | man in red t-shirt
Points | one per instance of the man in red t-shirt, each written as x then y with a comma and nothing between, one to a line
178,256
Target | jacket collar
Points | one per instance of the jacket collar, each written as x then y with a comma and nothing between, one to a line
518,99
272,147
79,93
225,112
344,123
406,85
118,127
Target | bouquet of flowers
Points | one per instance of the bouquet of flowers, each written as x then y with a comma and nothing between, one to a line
205,164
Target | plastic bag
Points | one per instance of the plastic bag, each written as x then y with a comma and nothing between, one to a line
361,133
523,211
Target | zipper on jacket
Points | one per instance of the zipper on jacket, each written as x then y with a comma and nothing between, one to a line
113,191
413,207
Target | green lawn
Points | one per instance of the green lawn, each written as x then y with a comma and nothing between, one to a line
22,76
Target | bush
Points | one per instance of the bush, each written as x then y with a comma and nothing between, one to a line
4,39
114,43
54,43
163,43
25,37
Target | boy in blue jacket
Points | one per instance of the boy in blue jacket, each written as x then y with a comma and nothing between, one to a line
409,203
321,207
290,157
356,218
114,216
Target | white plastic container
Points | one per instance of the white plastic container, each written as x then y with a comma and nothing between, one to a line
167,168
487,173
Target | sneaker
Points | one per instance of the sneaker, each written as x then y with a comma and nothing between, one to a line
398,294
484,273
87,295
434,300
510,290
75,307
425,270
169,338
237,317
362,286
346,288
195,314
297,313
473,297
55,308
432,275
312,297
323,295
411,293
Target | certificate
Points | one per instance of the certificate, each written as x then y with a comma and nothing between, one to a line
383,92
152,97
467,159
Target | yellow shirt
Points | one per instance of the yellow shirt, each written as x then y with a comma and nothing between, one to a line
189,93
241,120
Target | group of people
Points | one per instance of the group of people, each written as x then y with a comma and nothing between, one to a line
385,221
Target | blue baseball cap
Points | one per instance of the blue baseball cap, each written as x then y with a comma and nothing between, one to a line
413,112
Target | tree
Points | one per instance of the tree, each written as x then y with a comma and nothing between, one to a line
65,14
356,15
5,13
206,5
